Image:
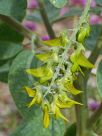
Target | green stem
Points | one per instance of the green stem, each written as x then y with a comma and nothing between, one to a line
16,25
45,19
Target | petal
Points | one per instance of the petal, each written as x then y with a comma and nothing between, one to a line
44,56
81,36
39,72
32,102
39,98
58,114
69,86
59,41
53,42
30,92
83,61
46,118
48,76
67,104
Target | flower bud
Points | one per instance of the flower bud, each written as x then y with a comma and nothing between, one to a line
44,38
32,4
29,25
93,105
95,19
46,117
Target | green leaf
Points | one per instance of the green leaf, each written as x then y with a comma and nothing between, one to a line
35,127
91,41
9,50
18,78
71,131
99,78
7,33
4,70
14,8
59,3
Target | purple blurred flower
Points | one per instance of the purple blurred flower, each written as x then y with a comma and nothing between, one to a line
44,38
93,104
93,3
63,11
95,19
32,4
83,2
30,25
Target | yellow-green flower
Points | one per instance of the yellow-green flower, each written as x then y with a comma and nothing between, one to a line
57,113
78,59
46,117
83,33
48,56
63,101
67,85
70,87
62,40
44,73
30,92
37,96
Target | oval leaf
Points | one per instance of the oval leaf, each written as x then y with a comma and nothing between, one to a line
9,50
34,127
18,78
14,8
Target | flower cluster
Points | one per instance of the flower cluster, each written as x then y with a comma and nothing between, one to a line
54,86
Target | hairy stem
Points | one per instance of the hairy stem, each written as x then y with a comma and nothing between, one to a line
45,19
16,25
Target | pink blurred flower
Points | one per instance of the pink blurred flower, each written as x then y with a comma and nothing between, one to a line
63,11
93,104
44,38
32,4
95,19
30,25
83,2
93,3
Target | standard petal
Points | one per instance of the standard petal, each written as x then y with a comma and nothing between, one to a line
32,102
30,92
70,87
40,72
83,61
